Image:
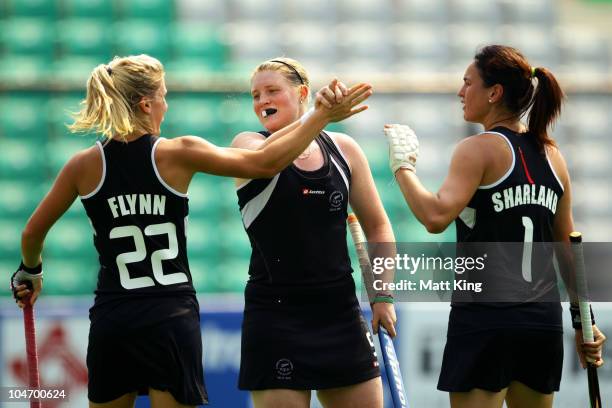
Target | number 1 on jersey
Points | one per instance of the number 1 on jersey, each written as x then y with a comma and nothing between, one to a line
527,248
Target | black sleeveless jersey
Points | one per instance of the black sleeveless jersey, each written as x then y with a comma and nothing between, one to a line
139,226
296,222
512,220
518,207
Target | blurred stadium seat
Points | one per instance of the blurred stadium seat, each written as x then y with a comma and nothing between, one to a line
98,9
84,36
32,8
140,36
28,36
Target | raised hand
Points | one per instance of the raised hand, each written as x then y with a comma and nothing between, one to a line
403,147
338,103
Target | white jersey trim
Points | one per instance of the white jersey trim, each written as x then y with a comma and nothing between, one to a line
554,172
99,186
338,145
255,206
341,173
159,177
505,176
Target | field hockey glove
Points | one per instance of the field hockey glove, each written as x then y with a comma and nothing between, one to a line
31,277
403,147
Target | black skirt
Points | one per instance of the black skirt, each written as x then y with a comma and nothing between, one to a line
305,338
492,359
167,356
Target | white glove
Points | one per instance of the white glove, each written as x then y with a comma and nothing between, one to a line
403,147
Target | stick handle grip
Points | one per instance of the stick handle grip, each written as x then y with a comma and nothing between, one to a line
32,355
581,287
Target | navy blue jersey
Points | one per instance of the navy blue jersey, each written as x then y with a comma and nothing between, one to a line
139,226
519,208
296,222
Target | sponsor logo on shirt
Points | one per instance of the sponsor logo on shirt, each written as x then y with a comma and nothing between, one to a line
307,191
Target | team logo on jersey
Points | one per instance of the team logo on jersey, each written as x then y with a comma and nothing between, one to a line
335,201
284,369
307,191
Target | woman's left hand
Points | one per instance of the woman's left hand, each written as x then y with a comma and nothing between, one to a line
384,313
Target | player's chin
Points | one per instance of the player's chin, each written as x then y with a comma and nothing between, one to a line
272,124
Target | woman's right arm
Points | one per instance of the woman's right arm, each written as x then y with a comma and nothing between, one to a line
56,202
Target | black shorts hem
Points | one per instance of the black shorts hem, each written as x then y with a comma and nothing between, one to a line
493,360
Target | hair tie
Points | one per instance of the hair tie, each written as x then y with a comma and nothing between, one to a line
109,70
291,67
533,71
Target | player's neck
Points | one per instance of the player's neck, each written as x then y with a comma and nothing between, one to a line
508,121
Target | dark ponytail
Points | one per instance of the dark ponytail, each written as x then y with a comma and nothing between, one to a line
500,64
545,106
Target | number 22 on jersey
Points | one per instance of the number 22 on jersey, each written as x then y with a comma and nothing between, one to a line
140,254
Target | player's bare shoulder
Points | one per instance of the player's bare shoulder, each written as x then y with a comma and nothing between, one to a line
85,169
348,146
248,140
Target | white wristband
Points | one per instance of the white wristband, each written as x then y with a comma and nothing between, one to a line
305,116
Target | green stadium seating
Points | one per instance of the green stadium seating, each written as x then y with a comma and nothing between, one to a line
18,199
237,112
200,116
10,238
23,70
84,36
22,159
23,116
160,10
61,150
70,277
232,275
203,239
75,69
198,40
60,110
32,36
8,264
205,274
134,37
71,238
100,9
32,8
192,70
234,241
204,199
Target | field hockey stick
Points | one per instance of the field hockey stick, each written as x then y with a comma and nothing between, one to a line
32,354
585,315
392,367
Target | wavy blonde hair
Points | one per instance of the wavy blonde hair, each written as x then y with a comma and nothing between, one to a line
113,93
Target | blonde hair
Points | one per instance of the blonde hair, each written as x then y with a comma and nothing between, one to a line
113,94
296,76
